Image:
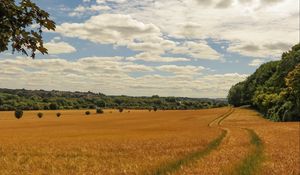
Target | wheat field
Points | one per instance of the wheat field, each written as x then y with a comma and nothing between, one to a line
211,141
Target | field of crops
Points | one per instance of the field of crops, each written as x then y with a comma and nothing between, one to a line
212,141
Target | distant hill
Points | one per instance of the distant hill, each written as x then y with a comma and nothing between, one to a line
274,88
11,99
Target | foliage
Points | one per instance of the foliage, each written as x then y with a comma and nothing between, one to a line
121,109
53,106
40,115
16,26
99,111
154,108
18,114
274,88
11,99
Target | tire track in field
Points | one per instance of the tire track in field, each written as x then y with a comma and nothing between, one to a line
252,162
173,166
234,155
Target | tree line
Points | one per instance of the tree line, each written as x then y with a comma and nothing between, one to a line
12,99
274,88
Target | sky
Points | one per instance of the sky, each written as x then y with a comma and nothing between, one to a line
187,48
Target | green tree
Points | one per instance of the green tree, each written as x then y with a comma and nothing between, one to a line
100,103
274,88
293,81
40,115
53,106
16,20
235,96
18,114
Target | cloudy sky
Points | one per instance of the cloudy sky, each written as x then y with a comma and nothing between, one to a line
193,48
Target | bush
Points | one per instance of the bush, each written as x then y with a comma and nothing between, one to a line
91,106
87,113
155,109
53,106
58,114
40,115
18,114
99,111
121,109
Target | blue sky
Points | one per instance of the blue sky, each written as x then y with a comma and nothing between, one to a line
188,48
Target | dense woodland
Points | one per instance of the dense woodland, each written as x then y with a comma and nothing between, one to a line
274,89
11,99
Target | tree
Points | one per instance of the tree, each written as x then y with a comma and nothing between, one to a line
53,106
235,96
99,111
16,21
274,88
18,114
100,103
293,80
40,115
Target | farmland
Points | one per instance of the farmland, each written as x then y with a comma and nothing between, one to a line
209,141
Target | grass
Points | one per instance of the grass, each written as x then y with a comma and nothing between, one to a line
252,162
188,159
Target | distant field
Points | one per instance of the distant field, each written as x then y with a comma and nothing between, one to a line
213,141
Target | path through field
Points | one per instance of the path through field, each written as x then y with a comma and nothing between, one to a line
213,141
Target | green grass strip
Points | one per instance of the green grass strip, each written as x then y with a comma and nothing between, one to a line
174,166
251,164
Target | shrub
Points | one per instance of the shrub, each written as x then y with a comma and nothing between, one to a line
155,109
58,114
53,106
40,115
87,112
99,111
91,106
18,114
121,109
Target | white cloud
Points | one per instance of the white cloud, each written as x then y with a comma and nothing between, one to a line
82,10
59,47
181,70
111,28
112,75
256,62
123,30
198,50
114,1
149,57
240,22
